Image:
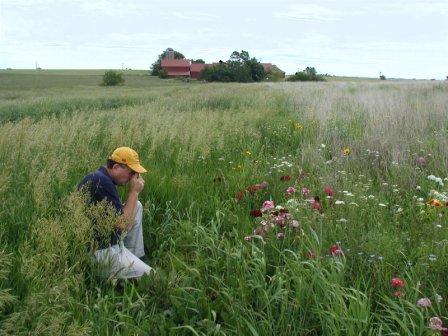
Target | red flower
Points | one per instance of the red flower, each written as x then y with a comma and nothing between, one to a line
329,191
397,283
336,250
285,178
239,196
252,189
256,213
315,204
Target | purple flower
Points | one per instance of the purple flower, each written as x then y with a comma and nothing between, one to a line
290,191
424,302
267,205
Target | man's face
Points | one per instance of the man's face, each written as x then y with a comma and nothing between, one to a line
122,174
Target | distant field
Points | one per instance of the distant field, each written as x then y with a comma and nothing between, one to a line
357,170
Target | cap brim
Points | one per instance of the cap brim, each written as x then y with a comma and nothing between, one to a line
137,168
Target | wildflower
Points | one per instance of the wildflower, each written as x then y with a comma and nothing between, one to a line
435,323
290,191
329,191
280,219
421,161
438,298
285,178
239,196
397,293
248,153
256,213
305,192
346,151
295,223
261,231
432,257
435,202
263,185
267,205
248,238
281,235
382,204
298,126
339,202
397,282
424,302
322,146
315,204
336,250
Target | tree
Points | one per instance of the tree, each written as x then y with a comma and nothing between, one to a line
112,78
309,74
157,65
199,60
239,68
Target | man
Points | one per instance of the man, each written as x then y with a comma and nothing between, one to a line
122,252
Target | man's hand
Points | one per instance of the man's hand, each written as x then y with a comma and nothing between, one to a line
137,183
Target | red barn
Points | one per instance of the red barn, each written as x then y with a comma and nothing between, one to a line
196,68
176,67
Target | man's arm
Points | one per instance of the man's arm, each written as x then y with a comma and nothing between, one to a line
127,218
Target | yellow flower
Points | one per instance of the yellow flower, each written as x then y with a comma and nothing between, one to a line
346,151
248,153
298,126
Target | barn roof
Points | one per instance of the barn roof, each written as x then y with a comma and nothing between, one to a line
175,62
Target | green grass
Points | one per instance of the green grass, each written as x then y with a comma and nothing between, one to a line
203,143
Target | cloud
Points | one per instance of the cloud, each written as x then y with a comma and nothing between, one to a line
310,12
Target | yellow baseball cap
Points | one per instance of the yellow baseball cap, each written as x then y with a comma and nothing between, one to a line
129,157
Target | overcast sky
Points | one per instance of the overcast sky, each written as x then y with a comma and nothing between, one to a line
400,38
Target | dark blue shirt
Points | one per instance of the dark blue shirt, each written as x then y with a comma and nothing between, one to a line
100,186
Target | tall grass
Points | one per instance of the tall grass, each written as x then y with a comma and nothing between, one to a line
203,144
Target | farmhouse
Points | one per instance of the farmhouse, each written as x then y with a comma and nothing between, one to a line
186,68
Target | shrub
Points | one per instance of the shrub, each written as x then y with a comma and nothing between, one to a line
112,78
162,73
309,74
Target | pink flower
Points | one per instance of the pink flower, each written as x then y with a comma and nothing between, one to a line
247,238
435,323
281,235
329,191
421,161
336,250
295,223
280,219
397,293
397,282
290,191
305,192
264,185
424,302
267,205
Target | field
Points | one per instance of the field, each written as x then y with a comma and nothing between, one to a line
356,171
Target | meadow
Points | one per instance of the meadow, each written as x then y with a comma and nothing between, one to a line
269,208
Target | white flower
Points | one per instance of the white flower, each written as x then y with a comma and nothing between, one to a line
322,145
353,203
382,205
418,187
342,220
339,202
